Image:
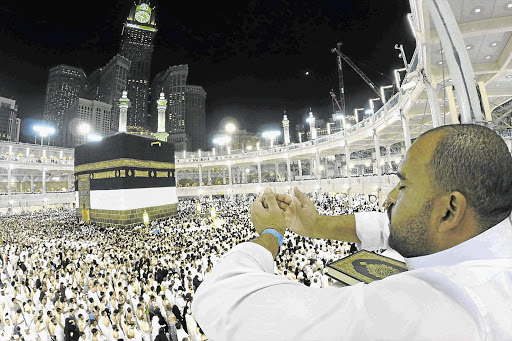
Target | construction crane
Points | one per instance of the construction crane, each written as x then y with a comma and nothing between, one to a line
341,103
342,110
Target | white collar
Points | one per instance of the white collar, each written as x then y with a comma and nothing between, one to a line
493,243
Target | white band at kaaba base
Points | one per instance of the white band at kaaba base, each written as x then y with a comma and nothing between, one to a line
275,233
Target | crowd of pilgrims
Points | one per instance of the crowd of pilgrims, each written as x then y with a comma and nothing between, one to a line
64,279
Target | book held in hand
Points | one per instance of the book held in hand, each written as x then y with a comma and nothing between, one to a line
364,266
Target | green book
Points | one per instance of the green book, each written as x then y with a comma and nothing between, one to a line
364,266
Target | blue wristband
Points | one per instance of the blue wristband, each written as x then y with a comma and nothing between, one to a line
275,233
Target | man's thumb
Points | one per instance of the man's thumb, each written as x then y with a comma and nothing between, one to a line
301,196
270,198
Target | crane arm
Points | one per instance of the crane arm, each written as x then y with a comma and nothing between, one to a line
358,70
337,103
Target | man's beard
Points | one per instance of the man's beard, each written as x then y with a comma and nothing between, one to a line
412,238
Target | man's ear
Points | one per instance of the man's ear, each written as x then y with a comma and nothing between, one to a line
451,209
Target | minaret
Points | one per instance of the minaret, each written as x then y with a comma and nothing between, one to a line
161,134
312,127
124,104
286,129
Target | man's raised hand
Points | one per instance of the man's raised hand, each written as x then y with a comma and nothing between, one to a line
301,216
266,213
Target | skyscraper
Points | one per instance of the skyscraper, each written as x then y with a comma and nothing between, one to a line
107,84
65,84
195,122
137,46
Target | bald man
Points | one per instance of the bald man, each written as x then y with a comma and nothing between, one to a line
449,217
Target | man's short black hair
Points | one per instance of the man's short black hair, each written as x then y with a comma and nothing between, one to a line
475,161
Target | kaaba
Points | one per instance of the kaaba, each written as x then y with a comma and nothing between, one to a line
123,178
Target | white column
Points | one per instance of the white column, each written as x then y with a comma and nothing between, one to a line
44,183
434,105
405,128
349,172
318,173
377,158
288,170
200,176
259,173
9,181
71,182
388,156
509,144
452,105
230,175
457,58
209,177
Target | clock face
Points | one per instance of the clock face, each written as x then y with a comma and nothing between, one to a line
142,17
144,7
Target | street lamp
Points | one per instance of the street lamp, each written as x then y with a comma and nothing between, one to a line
397,76
84,129
222,140
300,136
44,131
329,127
271,135
371,111
356,115
382,93
94,137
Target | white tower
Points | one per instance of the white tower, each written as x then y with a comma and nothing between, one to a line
161,134
124,104
312,127
286,129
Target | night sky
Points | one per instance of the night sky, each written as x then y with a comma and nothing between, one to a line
251,57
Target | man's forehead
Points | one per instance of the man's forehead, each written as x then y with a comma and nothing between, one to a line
418,156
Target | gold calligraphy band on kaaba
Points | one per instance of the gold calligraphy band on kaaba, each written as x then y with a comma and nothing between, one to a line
123,163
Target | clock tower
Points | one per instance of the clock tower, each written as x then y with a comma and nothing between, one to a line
137,46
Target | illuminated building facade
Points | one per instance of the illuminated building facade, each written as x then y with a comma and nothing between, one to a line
107,84
96,114
137,46
9,121
65,84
